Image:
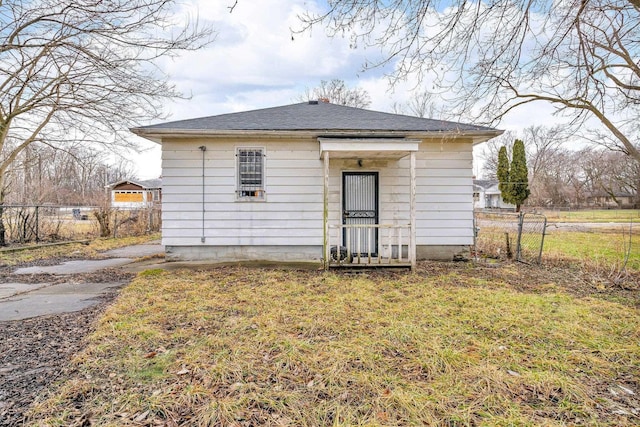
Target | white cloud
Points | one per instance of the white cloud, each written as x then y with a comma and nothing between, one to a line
254,63
255,51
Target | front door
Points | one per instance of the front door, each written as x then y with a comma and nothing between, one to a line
360,206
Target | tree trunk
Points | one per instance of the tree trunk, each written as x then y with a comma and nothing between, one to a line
3,241
103,217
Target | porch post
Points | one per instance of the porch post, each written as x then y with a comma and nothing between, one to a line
326,211
412,210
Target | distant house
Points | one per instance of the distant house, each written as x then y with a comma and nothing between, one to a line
619,199
128,194
316,181
486,195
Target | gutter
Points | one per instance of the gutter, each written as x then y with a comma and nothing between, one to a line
157,135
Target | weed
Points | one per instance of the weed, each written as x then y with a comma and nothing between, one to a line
610,257
236,346
151,272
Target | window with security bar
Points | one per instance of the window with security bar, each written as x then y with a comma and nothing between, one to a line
250,173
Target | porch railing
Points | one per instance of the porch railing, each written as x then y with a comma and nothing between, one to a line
357,245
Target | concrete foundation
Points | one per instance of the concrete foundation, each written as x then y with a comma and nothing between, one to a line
290,253
441,252
244,253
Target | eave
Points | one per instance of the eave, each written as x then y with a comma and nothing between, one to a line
157,135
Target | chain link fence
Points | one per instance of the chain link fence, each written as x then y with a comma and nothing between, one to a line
518,236
25,224
21,224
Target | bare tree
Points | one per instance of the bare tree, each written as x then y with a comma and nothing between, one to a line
549,163
545,155
560,176
610,174
558,179
82,70
580,56
490,153
421,104
337,92
75,175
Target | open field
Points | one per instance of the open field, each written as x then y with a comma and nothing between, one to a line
609,245
596,215
47,224
454,344
599,248
26,225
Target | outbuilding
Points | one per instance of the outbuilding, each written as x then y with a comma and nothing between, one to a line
316,181
135,194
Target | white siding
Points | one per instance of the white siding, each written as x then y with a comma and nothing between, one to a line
393,198
444,192
291,214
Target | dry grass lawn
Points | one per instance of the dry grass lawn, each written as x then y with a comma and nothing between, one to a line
453,345
608,250
596,215
39,253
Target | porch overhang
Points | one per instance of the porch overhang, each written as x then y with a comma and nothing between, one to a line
378,148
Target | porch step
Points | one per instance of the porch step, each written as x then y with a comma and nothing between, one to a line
376,266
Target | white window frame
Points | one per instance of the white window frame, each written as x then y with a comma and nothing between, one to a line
243,192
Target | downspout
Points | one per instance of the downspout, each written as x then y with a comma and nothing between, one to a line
412,212
203,149
325,215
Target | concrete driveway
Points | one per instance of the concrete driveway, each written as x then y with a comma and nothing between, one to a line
20,300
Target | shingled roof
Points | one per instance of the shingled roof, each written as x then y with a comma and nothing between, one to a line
312,116
485,183
148,184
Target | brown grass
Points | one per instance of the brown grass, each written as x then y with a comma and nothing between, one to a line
72,250
452,345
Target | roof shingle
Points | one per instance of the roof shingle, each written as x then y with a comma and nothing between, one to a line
314,116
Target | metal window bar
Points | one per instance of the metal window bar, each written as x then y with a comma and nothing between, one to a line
250,173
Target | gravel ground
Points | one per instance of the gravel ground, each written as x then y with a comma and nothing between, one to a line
34,353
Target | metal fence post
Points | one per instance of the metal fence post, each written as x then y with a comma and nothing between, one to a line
544,232
519,242
37,225
115,224
496,229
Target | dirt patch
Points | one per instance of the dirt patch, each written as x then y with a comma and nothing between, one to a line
36,352
579,281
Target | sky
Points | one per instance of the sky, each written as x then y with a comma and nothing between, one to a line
256,62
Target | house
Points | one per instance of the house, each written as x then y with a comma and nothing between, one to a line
316,181
613,199
128,194
487,195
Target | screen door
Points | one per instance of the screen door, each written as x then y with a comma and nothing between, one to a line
360,206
